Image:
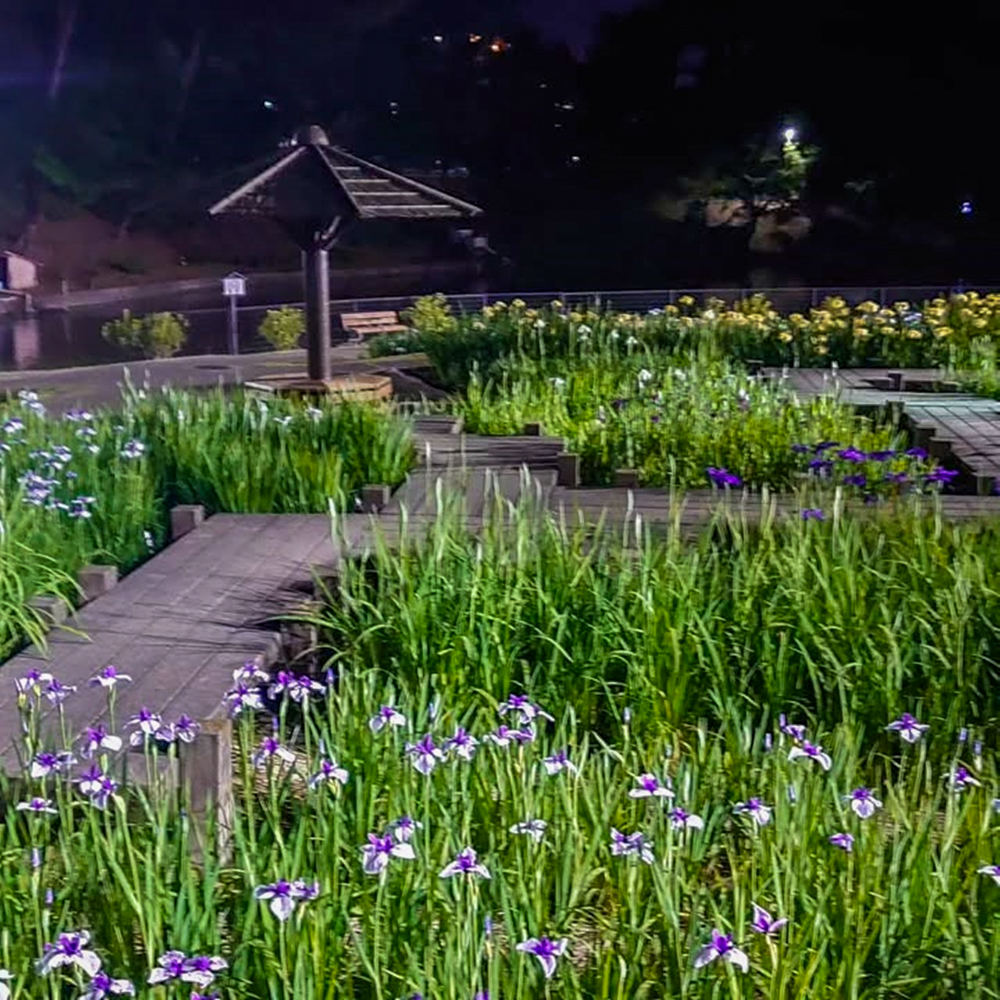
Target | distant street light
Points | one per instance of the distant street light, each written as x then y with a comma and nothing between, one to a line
790,134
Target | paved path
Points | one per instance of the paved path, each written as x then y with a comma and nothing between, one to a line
959,429
100,385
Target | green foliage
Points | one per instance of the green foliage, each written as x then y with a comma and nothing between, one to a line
158,335
283,328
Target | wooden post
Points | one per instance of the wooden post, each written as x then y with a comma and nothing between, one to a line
184,518
316,265
206,775
374,497
533,430
627,478
895,381
568,470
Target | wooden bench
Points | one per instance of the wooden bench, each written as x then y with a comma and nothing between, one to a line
358,325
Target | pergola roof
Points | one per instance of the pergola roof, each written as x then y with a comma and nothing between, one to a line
317,179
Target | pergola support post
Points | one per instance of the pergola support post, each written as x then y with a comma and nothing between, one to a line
316,265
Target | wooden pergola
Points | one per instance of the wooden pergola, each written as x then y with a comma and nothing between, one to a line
314,190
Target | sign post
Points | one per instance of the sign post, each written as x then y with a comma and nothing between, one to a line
234,286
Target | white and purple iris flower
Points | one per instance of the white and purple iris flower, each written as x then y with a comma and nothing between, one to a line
69,949
103,986
631,845
528,710
33,682
812,752
377,852
908,727
329,773
462,744
37,806
244,695
558,762
843,842
424,755
43,764
271,747
503,736
109,678
722,947
534,828
98,738
649,786
283,896
863,802
763,923
386,716
465,863
404,828
992,870
681,819
961,779
201,969
756,810
792,729
546,951
57,692
146,724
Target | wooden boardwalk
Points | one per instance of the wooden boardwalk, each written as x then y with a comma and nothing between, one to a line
961,430
182,622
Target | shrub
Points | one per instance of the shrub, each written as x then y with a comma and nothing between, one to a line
282,328
431,314
158,335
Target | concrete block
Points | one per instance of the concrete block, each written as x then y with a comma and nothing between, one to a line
184,519
95,581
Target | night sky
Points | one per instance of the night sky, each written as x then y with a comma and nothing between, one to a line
572,21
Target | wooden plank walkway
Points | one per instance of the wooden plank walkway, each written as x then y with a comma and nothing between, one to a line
959,429
183,621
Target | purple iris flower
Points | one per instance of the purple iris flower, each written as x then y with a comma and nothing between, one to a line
943,476
811,751
69,949
546,951
918,453
270,747
465,863
503,736
201,969
825,446
762,922
102,986
98,738
801,449
992,870
424,754
863,802
756,810
170,965
108,677
851,455
858,480
908,727
631,845
649,785
186,729
843,841
243,696
812,514
821,466
250,673
898,478
961,779
534,828
283,679
32,682
57,692
881,456
722,947
377,852
37,805
723,478
284,895
147,723
46,763
101,791
462,744
302,688
681,819
329,773
793,729
386,716
559,762
90,780
528,709
404,828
